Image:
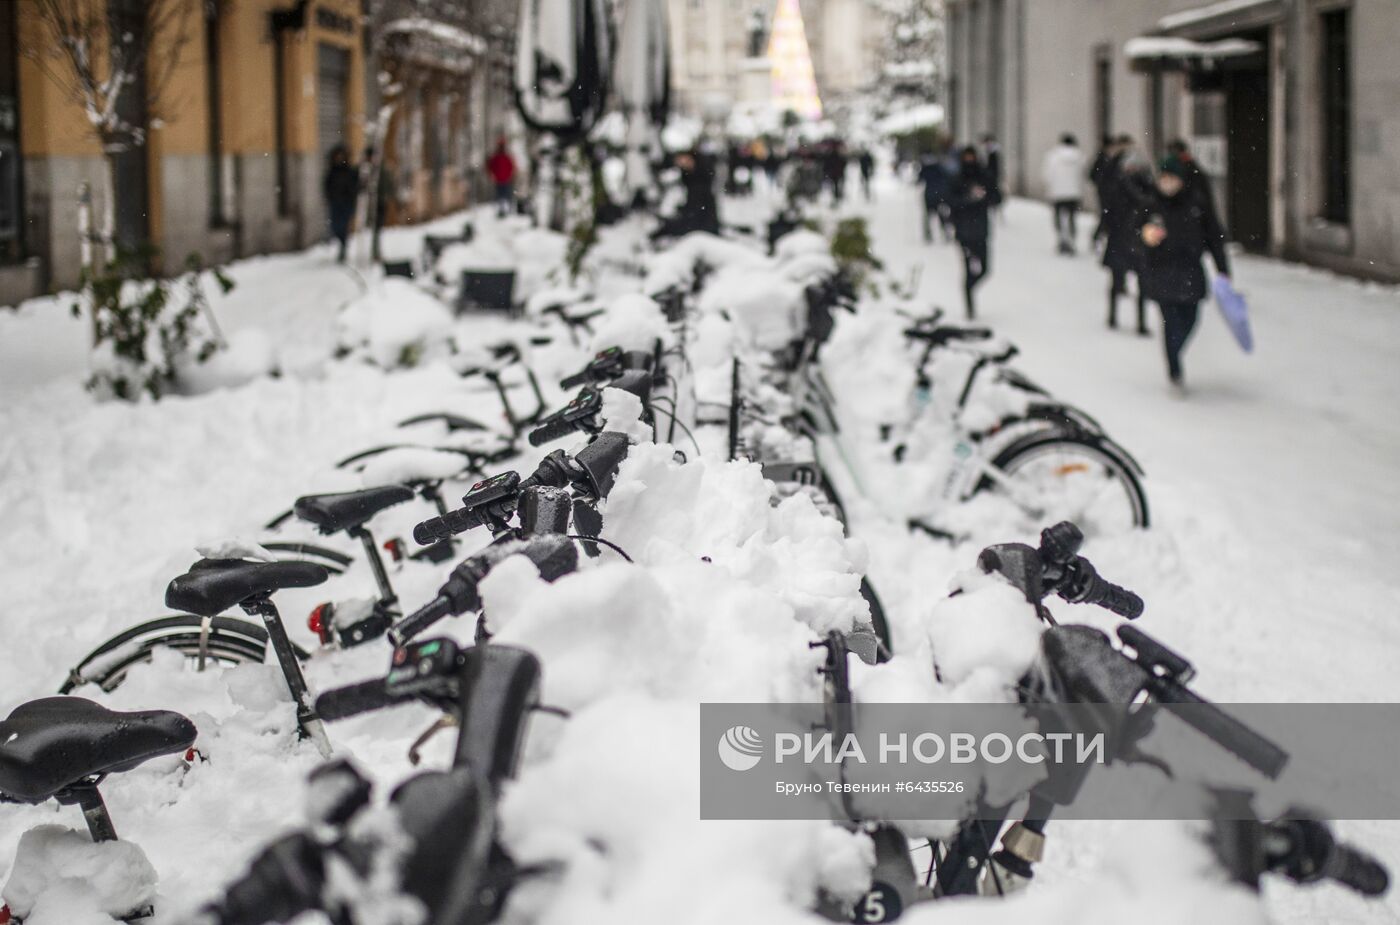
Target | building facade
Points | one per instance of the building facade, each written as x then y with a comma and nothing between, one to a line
237,138
710,43
1290,105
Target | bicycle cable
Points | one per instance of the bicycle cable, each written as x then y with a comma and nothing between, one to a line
693,442
600,541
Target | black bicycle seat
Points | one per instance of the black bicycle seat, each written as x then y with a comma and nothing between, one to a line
212,586
343,511
50,744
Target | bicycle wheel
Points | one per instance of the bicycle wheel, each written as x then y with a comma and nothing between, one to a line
1076,477
225,641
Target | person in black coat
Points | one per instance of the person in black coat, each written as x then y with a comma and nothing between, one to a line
1124,196
1177,228
934,176
969,201
341,187
701,207
1197,183
1103,174
992,169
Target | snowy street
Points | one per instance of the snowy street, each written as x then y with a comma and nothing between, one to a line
1269,563
1277,471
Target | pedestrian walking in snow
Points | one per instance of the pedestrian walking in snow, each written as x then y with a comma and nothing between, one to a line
867,171
937,180
1197,183
834,162
969,201
1124,198
501,166
1063,175
1103,174
699,170
991,160
1177,229
341,188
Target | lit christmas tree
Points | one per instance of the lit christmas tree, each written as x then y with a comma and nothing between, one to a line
794,83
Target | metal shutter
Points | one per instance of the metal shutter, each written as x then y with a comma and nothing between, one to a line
332,93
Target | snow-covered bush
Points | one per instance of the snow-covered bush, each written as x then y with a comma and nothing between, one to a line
146,329
850,245
395,325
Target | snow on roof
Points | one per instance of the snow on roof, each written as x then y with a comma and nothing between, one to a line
904,70
1210,11
443,32
912,119
1166,46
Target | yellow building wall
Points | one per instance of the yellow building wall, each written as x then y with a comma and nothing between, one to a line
51,121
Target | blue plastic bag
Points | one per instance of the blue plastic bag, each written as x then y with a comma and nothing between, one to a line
1235,312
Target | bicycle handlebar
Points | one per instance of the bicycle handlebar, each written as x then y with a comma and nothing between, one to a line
1356,869
554,555
353,699
550,431
1083,585
284,881
437,609
944,335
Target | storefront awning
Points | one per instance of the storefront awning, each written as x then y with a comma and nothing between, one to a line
1172,51
433,43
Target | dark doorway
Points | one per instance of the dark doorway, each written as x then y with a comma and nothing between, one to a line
1247,126
1103,92
11,168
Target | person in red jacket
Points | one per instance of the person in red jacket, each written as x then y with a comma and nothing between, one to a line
501,166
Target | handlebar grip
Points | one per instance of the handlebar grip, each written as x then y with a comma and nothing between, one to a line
284,881
436,529
420,619
1358,870
1083,585
354,699
1113,598
577,379
1224,730
551,431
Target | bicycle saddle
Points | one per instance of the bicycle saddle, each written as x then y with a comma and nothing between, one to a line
345,510
212,586
48,745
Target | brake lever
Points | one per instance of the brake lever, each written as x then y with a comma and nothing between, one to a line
415,751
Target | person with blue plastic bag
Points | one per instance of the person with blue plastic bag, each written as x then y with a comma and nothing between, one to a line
1177,229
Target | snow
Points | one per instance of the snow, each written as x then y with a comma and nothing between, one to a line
60,875
928,115
395,324
1269,563
1165,46
443,32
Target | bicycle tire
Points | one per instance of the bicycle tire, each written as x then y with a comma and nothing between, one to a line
1115,460
230,641
332,560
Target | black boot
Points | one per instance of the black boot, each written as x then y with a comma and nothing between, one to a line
1113,309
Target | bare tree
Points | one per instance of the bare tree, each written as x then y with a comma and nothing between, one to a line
100,53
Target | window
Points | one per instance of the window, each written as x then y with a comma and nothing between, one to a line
1335,35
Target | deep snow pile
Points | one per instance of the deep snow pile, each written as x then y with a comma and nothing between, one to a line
106,502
